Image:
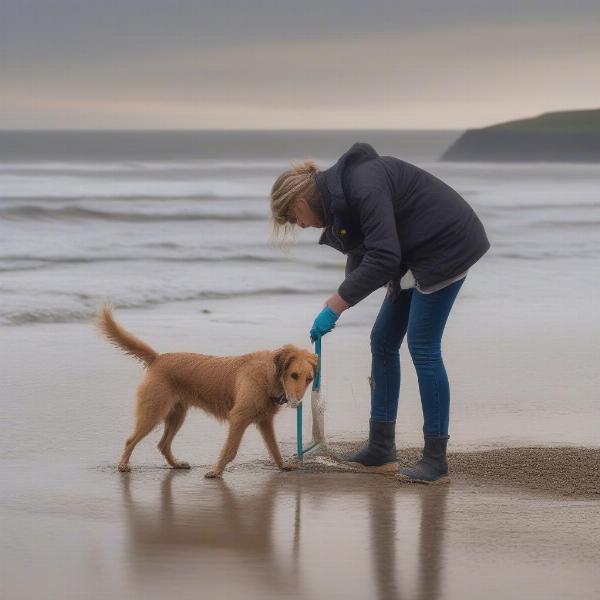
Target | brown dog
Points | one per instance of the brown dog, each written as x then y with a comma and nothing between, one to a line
244,389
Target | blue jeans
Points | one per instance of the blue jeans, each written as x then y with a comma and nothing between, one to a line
423,316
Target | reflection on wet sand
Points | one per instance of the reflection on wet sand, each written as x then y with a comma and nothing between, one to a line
389,544
218,520
266,536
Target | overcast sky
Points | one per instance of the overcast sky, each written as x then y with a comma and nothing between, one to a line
294,64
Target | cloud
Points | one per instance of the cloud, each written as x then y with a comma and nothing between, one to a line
330,64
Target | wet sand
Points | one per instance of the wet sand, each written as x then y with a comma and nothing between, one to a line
81,532
520,519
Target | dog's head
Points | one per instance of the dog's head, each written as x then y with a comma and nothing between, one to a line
295,369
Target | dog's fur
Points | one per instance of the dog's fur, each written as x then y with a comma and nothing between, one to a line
236,389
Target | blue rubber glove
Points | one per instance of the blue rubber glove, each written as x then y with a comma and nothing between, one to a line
324,323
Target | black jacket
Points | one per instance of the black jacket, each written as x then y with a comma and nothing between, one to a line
389,216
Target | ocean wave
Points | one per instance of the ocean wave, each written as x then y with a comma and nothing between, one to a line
543,206
565,224
57,315
144,166
542,255
6,199
31,263
25,263
64,186
36,212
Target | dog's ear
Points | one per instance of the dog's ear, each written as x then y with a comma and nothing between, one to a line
282,358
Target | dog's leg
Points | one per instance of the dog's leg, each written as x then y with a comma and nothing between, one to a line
141,431
267,431
173,422
232,444
153,402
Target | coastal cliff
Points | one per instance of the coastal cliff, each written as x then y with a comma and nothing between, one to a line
570,136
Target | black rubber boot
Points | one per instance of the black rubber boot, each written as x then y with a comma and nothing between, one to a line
432,467
379,455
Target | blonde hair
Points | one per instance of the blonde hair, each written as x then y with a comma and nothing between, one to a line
297,182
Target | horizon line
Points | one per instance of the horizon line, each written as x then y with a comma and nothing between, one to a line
224,130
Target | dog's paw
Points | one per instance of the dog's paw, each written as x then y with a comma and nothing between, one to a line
181,464
213,475
124,468
289,466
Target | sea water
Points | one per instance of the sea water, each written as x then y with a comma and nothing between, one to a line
143,218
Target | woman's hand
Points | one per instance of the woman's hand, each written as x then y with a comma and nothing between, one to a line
324,322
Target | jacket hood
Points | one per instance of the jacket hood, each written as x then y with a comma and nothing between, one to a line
330,181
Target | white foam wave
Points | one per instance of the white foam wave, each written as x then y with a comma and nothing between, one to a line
135,166
62,186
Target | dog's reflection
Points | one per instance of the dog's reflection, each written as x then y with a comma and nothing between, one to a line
210,522
215,519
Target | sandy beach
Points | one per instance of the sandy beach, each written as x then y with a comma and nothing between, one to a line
515,516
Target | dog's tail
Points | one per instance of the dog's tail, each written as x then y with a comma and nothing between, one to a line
121,338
